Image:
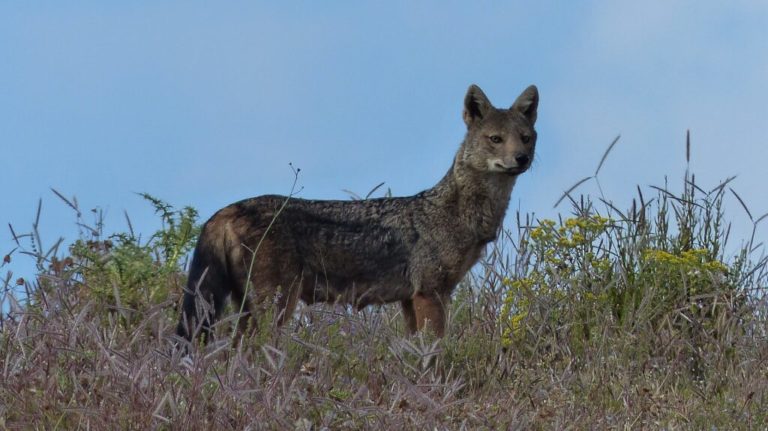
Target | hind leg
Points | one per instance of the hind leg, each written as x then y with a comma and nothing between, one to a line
267,289
198,316
246,323
409,314
430,312
215,302
284,296
288,298
204,299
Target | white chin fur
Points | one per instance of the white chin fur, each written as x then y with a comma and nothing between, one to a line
493,166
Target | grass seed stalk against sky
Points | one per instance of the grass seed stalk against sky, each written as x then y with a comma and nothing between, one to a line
205,104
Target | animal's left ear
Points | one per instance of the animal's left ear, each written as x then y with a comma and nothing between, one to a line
527,103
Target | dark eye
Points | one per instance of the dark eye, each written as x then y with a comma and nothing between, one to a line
525,138
495,139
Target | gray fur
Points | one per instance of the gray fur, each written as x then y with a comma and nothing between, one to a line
410,249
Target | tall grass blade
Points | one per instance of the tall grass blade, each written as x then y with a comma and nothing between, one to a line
605,154
373,190
573,187
67,201
743,205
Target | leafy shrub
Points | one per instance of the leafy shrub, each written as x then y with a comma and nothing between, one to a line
620,273
124,273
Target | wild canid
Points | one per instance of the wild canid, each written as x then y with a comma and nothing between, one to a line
409,249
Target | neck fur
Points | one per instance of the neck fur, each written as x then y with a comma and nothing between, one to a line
478,199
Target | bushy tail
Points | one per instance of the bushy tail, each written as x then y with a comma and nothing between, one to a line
205,294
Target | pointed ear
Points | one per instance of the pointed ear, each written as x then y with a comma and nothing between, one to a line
527,103
476,105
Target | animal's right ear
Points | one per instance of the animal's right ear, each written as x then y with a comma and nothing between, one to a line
476,105
527,103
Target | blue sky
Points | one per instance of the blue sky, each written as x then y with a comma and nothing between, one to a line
204,103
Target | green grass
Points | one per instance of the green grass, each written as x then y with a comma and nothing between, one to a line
605,318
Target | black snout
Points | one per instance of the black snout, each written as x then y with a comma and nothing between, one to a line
522,159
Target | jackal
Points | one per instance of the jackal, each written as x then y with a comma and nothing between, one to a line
409,249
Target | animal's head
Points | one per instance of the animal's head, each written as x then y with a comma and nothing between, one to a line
500,140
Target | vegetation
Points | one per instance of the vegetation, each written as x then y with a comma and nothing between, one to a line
602,319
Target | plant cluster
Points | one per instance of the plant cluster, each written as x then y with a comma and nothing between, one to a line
604,319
